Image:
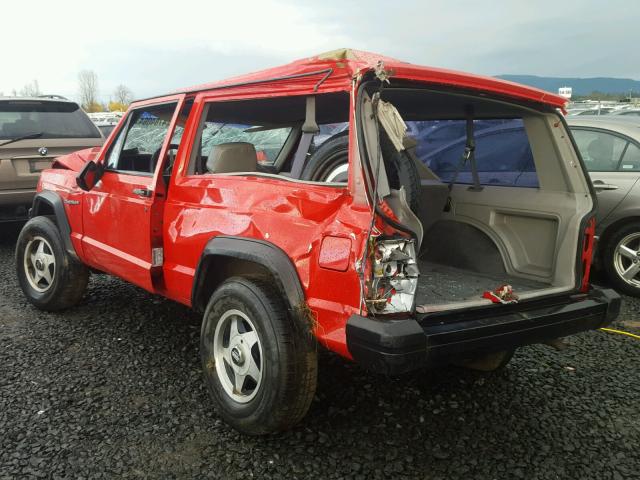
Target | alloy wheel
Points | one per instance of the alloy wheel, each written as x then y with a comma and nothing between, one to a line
238,356
626,259
39,264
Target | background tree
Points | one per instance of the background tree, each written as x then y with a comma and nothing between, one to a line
88,83
95,107
117,107
123,95
31,89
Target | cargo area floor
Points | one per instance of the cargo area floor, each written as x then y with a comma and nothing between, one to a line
440,284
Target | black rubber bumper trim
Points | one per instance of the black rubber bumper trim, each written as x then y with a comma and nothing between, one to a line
398,346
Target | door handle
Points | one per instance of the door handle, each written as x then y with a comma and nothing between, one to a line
143,192
599,186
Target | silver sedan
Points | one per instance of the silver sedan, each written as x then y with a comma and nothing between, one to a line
610,148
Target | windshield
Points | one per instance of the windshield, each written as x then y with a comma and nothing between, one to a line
53,119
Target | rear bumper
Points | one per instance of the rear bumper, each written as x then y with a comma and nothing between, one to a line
23,196
15,204
397,346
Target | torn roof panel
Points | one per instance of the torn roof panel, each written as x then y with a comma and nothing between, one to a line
307,75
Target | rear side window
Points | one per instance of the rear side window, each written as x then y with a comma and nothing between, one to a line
631,159
602,151
267,141
51,119
503,154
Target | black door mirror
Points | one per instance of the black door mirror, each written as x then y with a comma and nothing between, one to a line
89,175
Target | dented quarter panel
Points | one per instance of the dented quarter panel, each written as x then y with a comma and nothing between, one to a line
293,216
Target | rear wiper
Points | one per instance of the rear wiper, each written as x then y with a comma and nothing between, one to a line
24,137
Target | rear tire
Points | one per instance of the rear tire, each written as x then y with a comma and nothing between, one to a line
259,364
617,258
50,278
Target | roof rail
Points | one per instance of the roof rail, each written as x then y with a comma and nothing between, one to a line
53,96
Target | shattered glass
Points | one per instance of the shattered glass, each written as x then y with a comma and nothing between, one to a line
267,141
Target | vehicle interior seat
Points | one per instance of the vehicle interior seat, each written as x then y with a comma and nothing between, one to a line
23,126
11,130
600,154
232,157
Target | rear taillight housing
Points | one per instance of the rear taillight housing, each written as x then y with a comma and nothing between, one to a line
394,276
588,239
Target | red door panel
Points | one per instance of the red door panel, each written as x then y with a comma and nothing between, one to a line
117,230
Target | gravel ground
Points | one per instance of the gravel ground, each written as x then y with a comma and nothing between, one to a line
112,389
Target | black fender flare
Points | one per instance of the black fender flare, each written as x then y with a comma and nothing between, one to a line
47,200
261,252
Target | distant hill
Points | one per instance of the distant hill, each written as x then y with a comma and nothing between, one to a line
581,86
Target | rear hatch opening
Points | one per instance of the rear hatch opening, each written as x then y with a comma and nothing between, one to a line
473,194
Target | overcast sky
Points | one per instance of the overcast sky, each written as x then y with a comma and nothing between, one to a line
155,47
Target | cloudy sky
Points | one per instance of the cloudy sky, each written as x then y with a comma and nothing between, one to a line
155,47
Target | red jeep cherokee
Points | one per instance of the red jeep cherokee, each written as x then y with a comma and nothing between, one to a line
401,216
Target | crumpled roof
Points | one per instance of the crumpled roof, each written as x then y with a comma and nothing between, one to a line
333,71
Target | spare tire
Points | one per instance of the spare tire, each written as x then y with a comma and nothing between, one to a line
330,162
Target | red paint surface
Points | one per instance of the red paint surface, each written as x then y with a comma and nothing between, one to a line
114,230
587,253
347,63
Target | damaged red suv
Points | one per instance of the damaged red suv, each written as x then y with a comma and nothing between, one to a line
401,216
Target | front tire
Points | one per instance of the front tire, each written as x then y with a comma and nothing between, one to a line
50,278
621,259
259,364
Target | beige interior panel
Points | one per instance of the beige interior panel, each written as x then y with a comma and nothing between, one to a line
536,232
534,239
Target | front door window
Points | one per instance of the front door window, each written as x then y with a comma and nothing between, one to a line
137,148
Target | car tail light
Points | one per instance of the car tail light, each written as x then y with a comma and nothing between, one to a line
394,276
587,253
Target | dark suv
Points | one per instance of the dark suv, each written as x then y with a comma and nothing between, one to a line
33,131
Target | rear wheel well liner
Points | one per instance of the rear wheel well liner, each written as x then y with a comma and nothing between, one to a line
226,256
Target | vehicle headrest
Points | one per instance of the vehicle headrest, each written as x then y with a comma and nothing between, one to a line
599,150
232,157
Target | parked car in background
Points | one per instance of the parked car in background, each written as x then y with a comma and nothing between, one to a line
105,121
591,111
626,112
610,148
33,131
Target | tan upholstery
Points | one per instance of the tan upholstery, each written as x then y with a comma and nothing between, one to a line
232,157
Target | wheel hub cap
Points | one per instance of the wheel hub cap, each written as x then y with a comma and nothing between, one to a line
626,259
39,264
237,356
237,351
